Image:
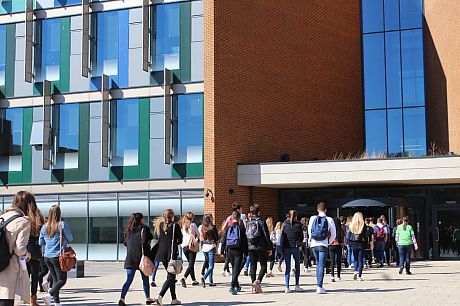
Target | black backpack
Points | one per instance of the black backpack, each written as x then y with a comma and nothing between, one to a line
5,255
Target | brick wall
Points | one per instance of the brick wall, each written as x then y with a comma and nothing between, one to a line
281,77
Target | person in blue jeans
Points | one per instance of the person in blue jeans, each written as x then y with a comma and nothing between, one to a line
359,238
322,232
209,237
292,241
405,238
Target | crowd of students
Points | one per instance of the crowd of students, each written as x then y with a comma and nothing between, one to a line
248,243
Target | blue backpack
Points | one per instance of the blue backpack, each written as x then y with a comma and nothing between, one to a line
320,229
233,239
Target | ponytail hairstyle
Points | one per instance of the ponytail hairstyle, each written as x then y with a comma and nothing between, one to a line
134,221
168,216
269,222
187,220
292,216
405,221
54,217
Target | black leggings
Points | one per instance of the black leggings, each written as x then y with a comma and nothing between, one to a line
235,258
170,283
191,256
6,302
33,267
335,255
43,271
59,277
258,256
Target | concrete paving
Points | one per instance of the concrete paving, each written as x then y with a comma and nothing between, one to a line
432,283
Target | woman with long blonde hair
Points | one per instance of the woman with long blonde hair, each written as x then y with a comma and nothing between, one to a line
190,237
271,231
358,240
156,234
279,250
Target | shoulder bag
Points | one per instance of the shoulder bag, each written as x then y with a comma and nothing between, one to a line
146,265
174,265
193,244
68,258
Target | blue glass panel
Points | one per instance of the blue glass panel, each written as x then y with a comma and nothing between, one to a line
395,132
372,12
415,131
167,37
411,14
2,54
11,130
41,4
68,127
107,43
376,132
190,129
374,71
412,68
393,69
125,137
391,15
51,44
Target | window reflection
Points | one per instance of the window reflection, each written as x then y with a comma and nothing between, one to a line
11,126
75,215
107,43
49,41
374,71
411,14
125,132
167,36
2,54
376,136
415,131
412,68
395,132
102,230
372,15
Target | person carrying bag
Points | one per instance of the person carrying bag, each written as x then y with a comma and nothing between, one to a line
68,258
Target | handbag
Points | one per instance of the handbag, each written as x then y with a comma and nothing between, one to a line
175,266
193,244
146,265
68,258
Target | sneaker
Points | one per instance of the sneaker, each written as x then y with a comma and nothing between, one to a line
47,298
45,286
256,287
320,290
238,289
176,302
360,279
225,273
293,272
401,270
233,291
332,279
182,281
159,300
57,304
270,274
409,273
298,288
152,284
121,303
355,276
149,301
212,285
287,290
203,282
279,268
195,283
338,278
246,272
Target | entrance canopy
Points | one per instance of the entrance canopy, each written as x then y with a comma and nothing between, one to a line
403,171
364,203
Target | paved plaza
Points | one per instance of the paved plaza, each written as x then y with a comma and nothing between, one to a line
432,283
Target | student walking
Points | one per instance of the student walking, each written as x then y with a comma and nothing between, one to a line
305,247
279,249
272,233
368,247
33,265
259,246
168,248
358,238
380,241
55,235
137,242
322,232
15,228
156,236
222,252
405,238
209,238
335,250
292,241
388,243
190,246
235,244
395,244
350,259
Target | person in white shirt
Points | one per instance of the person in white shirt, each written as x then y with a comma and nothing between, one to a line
190,246
321,232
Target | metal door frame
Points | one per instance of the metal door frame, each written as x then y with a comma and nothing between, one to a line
435,229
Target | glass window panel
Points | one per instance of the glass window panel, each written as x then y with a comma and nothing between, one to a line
102,230
68,127
107,43
45,207
412,68
167,37
195,205
125,132
411,14
393,69
189,129
75,214
2,54
372,12
395,132
11,121
415,131
158,206
376,132
374,71
126,208
51,42
391,15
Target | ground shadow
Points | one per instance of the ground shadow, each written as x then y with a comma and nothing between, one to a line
228,303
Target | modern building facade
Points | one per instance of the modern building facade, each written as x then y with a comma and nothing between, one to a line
111,107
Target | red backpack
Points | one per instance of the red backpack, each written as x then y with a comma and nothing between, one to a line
380,234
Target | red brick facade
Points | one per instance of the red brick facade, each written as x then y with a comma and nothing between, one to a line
281,77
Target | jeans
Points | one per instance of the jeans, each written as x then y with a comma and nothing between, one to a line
191,256
210,257
335,254
379,251
404,256
170,283
43,271
306,257
320,253
59,277
33,267
235,258
247,263
272,260
279,254
129,280
154,275
295,252
258,256
350,258
358,253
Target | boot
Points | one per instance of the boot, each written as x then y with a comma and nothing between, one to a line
33,301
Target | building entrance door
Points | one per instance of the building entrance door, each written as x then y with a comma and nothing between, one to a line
446,232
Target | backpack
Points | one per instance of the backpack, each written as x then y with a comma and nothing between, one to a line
233,239
320,229
5,255
273,237
253,230
380,235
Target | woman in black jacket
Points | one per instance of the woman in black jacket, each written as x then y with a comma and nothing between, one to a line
137,239
170,233
292,237
235,244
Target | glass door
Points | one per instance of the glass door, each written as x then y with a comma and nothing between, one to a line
446,232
